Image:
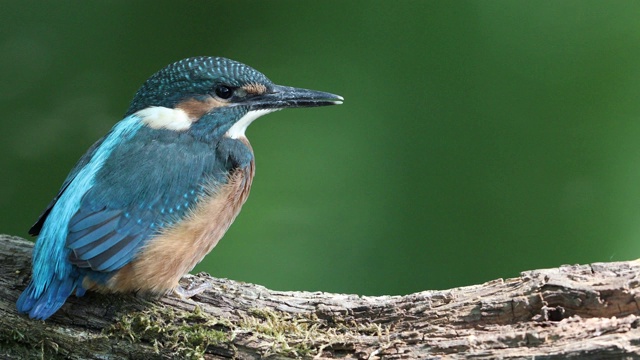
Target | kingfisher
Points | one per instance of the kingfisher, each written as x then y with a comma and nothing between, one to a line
152,197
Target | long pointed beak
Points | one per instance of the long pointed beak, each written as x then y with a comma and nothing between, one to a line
282,97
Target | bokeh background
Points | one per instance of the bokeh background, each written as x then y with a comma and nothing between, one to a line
478,139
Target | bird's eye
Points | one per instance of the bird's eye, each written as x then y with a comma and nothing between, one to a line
223,92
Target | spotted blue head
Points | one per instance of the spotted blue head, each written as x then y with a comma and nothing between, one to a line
213,96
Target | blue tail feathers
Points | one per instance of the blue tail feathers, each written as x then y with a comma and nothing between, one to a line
43,305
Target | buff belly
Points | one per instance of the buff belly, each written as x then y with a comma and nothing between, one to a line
178,249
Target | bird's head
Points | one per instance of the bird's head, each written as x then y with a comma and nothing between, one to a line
215,96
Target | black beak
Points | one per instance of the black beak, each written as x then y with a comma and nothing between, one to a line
281,97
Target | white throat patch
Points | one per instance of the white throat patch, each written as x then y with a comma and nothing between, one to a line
237,130
159,117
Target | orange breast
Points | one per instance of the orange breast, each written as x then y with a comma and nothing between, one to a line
177,250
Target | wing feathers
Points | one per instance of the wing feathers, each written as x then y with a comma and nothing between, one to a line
114,257
83,221
92,235
99,246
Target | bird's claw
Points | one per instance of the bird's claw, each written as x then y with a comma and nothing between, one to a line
191,291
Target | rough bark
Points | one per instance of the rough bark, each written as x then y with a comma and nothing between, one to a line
577,311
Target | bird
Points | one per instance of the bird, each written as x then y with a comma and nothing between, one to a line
151,198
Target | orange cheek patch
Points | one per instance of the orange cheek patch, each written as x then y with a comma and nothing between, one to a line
196,108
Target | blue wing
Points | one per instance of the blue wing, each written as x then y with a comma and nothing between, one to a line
54,278
145,185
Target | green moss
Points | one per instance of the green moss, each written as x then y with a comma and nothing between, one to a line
189,334
283,333
186,334
300,335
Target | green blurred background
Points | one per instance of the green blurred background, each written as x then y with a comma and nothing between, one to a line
477,140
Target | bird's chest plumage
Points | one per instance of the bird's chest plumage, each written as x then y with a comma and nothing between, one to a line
176,249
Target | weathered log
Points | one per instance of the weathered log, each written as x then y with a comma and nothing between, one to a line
577,311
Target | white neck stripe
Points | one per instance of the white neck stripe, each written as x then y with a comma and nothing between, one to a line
237,130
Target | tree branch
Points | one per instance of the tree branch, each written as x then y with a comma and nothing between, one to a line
585,311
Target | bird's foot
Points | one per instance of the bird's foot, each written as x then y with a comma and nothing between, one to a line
191,291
